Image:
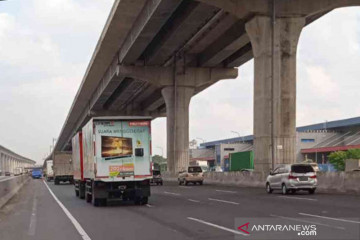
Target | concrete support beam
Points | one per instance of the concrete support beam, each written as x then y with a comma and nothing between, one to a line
274,88
163,76
284,8
177,101
177,89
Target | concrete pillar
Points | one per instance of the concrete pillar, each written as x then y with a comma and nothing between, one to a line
2,163
278,86
177,112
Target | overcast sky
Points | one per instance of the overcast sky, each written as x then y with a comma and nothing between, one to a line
46,45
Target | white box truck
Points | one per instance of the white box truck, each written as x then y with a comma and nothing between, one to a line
78,165
63,167
116,159
49,170
18,171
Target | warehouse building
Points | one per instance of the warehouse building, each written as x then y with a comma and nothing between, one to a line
314,142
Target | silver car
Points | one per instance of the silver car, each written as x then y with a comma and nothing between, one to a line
291,178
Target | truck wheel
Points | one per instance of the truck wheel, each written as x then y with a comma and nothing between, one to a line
311,191
144,200
96,202
201,182
77,193
81,192
186,183
88,198
56,181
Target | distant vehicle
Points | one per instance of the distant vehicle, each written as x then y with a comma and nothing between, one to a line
18,171
112,160
292,178
193,174
313,164
63,168
157,179
205,169
216,169
36,173
7,174
49,170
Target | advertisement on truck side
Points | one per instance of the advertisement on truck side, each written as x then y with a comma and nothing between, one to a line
122,148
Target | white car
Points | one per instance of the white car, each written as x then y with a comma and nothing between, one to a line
292,178
193,174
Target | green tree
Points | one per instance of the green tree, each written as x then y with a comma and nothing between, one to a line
158,159
353,154
338,159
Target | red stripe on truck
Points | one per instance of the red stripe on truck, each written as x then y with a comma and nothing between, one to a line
142,176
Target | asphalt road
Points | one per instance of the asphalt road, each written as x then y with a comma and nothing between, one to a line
176,212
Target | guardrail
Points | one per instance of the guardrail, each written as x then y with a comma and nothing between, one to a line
9,186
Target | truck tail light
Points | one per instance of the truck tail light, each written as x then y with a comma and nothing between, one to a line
292,177
313,177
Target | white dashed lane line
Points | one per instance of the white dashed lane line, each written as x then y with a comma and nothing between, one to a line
330,218
223,201
171,193
225,191
216,226
298,198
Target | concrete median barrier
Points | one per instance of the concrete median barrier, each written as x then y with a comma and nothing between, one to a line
10,186
329,182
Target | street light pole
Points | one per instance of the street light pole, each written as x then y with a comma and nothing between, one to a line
242,139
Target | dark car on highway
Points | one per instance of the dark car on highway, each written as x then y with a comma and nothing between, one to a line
157,179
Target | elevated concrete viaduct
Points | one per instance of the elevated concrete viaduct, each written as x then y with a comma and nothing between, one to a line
154,55
10,160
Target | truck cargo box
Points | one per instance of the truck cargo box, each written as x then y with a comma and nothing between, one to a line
63,168
77,157
49,170
117,149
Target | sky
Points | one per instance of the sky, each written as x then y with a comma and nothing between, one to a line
46,45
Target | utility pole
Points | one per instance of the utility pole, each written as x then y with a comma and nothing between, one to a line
242,139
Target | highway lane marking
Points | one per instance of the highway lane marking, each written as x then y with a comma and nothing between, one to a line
185,187
171,193
298,198
223,201
76,224
330,218
32,226
216,226
192,200
225,191
296,219
150,206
